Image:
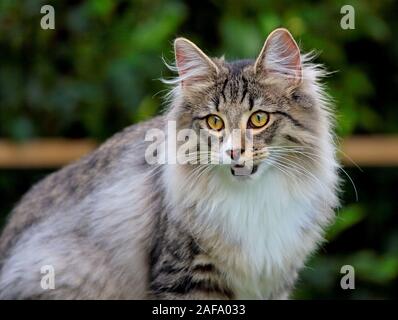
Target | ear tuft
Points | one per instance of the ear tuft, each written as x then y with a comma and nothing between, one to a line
280,55
192,64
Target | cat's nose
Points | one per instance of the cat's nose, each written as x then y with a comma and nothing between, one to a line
235,153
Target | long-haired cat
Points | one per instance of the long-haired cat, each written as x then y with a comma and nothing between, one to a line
113,226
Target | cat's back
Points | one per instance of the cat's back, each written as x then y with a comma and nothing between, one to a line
82,198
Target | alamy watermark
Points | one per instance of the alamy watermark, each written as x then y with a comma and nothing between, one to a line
48,20
348,19
188,146
348,280
48,277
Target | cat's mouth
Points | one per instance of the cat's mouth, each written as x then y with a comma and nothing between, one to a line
243,170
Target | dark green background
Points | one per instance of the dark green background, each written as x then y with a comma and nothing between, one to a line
97,73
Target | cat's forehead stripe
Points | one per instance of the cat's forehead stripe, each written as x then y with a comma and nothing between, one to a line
235,90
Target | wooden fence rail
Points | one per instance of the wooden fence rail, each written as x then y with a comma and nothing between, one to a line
53,153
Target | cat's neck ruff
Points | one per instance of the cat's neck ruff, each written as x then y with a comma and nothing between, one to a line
264,218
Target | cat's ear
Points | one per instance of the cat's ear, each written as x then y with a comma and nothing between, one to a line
280,55
192,64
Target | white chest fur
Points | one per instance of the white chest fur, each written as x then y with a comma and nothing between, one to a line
264,221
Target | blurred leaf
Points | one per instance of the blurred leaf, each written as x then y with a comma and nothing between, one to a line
346,218
146,109
241,38
371,267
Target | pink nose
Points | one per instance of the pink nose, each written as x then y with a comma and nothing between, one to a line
234,153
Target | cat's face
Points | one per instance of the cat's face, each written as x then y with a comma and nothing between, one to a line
251,113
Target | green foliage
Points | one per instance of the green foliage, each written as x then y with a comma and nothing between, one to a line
346,218
97,73
89,75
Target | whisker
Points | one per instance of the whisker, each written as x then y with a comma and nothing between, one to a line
308,155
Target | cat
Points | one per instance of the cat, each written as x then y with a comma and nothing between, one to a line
113,226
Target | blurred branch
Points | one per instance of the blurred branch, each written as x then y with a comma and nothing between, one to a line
52,153
375,150
43,153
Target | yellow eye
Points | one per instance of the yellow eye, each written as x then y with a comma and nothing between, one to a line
258,119
215,122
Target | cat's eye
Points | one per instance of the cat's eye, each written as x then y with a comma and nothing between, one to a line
258,119
215,122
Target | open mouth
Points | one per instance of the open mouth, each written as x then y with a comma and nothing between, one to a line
243,170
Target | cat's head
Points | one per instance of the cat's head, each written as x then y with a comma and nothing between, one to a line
252,114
